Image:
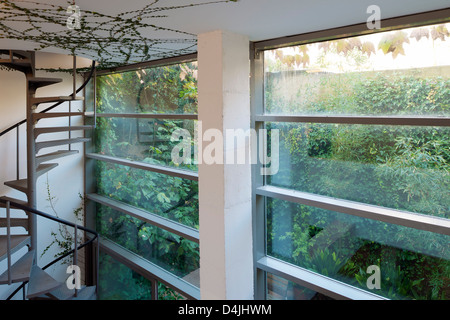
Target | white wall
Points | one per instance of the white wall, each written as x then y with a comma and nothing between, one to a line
66,180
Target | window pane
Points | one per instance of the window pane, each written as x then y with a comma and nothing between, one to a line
413,264
406,168
167,250
169,89
166,293
117,282
89,96
148,140
281,289
170,197
395,72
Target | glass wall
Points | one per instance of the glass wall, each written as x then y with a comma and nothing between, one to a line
282,289
117,282
133,169
363,123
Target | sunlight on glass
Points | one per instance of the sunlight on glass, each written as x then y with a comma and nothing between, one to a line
396,72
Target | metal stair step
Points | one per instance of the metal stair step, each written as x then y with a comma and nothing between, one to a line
55,155
64,293
18,66
20,271
20,53
36,101
41,283
17,243
54,143
44,168
21,202
20,62
39,131
36,82
21,185
14,222
38,116
88,293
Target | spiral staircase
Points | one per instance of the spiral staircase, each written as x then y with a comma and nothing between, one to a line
36,283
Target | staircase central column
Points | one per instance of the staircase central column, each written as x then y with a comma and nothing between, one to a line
31,157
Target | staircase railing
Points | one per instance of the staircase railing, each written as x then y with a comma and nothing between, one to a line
18,124
74,251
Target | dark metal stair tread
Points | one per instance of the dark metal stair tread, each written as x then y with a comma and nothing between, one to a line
41,115
21,202
21,185
17,242
44,168
40,283
18,62
14,222
39,131
54,143
88,293
39,100
55,155
20,271
22,67
39,82
21,53
64,293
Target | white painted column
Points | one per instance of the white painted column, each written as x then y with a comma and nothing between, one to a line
226,257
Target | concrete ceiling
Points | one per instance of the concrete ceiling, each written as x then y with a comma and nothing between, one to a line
258,19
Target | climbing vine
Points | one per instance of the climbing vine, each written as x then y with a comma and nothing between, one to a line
109,39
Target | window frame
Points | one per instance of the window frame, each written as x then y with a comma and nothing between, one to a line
264,264
145,268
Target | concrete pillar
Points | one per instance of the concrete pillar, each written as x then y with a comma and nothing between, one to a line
226,257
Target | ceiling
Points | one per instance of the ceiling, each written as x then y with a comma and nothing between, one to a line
135,30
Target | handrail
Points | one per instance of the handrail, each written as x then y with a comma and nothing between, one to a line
12,204
53,106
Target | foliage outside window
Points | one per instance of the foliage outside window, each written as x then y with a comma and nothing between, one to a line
158,90
395,73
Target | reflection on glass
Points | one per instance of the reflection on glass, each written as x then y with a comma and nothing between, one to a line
168,89
167,250
166,293
394,72
89,96
170,197
117,282
414,264
405,168
147,140
281,289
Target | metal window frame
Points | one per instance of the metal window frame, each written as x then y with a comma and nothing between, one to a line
149,64
161,116
173,172
263,263
149,270
148,217
361,120
330,287
136,263
389,24
362,210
